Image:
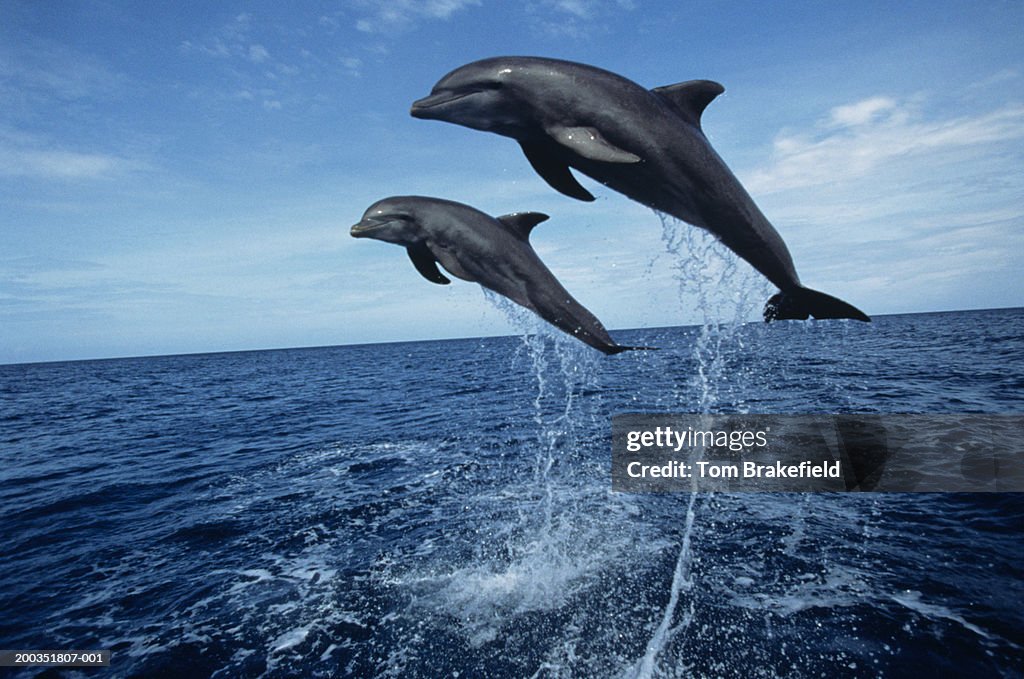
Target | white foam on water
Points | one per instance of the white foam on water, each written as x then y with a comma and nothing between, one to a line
485,597
838,587
289,639
912,600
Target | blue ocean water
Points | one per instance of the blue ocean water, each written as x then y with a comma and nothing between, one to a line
444,508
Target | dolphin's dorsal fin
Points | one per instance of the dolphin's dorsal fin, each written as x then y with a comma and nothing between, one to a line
424,261
555,172
691,97
522,223
588,142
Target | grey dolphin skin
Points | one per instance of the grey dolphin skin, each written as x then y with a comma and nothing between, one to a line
646,144
494,252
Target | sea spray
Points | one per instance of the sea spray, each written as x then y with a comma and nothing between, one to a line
563,371
725,293
545,546
541,555
723,289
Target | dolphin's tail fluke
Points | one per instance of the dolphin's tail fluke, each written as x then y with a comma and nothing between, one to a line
799,303
613,349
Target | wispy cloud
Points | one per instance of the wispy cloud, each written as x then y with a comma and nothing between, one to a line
228,267
352,66
248,61
42,81
59,164
213,48
27,155
921,206
576,18
861,112
40,72
231,40
999,78
258,54
856,138
381,16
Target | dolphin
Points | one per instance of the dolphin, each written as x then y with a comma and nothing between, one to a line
494,252
646,144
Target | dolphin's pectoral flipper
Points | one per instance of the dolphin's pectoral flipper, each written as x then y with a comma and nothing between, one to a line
522,223
555,172
799,303
588,142
423,259
690,98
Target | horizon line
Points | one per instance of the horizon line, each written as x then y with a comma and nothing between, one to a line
216,352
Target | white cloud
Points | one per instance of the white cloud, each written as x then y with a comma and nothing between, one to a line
379,16
331,23
578,8
258,54
352,65
247,62
899,210
215,48
862,112
234,40
576,18
42,69
860,137
60,164
1000,78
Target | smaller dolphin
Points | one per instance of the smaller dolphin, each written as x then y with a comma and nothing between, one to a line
645,144
494,252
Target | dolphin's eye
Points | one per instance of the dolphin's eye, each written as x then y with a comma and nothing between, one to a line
384,213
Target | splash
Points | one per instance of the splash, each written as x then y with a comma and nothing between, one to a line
544,551
562,370
725,291
557,539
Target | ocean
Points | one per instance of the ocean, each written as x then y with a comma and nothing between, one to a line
444,509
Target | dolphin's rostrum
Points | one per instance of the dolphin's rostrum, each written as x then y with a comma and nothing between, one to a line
494,252
646,144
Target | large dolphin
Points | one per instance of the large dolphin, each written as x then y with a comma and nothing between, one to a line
494,252
646,144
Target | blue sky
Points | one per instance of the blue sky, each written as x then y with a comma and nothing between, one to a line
180,177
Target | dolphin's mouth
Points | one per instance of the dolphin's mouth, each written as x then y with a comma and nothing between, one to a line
368,225
420,106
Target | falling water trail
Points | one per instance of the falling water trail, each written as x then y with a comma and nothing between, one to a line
703,268
548,552
561,370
